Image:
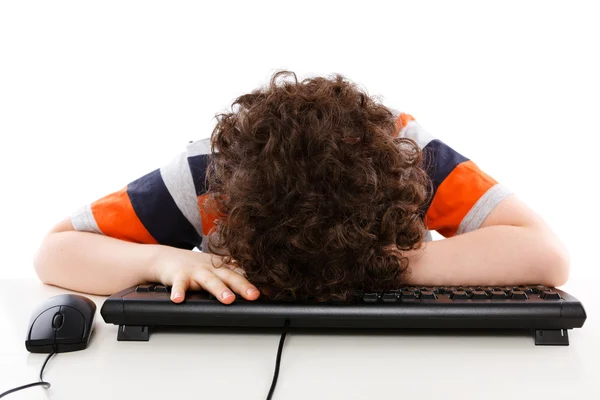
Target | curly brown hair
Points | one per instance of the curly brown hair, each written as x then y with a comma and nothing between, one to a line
317,198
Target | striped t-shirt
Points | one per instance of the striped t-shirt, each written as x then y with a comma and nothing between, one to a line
168,205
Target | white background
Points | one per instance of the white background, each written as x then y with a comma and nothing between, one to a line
96,94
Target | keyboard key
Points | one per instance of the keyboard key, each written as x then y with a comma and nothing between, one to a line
406,295
550,295
371,297
479,295
518,295
160,288
538,289
499,295
428,295
465,289
459,295
390,297
144,288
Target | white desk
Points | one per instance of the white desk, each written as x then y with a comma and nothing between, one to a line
240,366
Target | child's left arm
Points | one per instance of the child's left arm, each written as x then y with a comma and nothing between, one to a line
512,246
492,238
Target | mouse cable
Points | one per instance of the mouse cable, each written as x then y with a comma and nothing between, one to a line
278,360
40,383
269,396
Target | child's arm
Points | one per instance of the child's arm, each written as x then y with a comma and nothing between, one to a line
513,246
143,232
492,238
99,264
92,263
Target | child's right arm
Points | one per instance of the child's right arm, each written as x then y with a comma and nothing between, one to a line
144,232
99,264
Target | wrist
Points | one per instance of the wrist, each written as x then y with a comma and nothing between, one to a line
153,270
417,263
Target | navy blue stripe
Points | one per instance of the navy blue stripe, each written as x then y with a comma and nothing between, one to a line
159,214
198,165
440,160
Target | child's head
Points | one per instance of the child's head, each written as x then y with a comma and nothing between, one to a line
318,196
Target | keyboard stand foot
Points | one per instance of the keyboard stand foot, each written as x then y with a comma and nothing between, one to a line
133,333
551,337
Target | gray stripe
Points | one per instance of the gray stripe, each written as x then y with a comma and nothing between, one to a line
482,208
198,147
83,220
204,246
180,184
413,130
428,237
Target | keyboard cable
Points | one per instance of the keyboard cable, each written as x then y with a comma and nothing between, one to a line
278,359
40,383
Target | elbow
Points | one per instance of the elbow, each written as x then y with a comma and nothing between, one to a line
41,262
556,265
47,258
562,268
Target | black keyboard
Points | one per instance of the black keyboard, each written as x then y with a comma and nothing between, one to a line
547,312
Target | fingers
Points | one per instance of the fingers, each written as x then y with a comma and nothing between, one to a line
235,269
237,283
218,278
181,284
213,284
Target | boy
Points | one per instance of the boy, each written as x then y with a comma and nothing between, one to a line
315,190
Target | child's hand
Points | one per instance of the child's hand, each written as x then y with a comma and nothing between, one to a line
190,270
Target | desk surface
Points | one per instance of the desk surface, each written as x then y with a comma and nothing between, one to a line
314,366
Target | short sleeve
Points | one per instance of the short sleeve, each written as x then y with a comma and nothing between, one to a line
462,194
161,207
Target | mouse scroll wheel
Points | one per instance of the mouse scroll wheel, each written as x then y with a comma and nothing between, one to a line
57,321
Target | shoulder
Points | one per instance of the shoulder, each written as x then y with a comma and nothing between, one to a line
198,147
195,160
408,127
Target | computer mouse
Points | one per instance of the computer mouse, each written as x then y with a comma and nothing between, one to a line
62,323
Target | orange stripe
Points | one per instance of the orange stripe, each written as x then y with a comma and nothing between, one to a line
402,120
116,218
456,196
